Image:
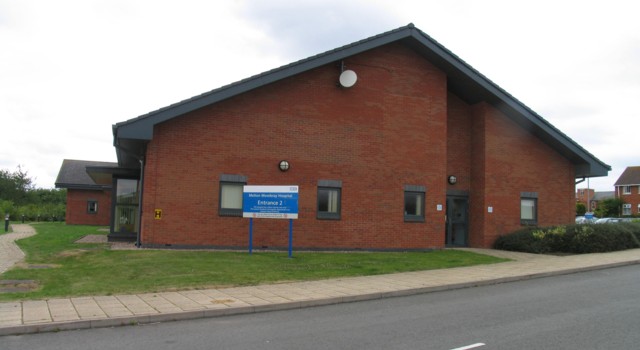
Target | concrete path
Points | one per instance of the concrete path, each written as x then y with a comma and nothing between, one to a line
119,310
10,254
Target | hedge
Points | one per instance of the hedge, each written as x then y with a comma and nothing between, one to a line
574,239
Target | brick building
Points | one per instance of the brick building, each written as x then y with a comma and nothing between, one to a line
413,149
88,203
628,189
589,195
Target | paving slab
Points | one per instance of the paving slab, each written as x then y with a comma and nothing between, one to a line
88,308
36,311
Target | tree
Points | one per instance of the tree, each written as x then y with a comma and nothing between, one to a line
19,198
609,207
14,186
581,209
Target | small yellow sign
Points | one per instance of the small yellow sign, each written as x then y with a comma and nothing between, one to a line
158,214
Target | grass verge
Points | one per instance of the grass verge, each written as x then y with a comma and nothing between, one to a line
94,269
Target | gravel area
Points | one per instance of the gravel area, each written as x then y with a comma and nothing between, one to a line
93,239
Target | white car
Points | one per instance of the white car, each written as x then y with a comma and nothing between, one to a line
608,220
583,220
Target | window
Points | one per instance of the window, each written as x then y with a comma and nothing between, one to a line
626,189
92,206
638,208
329,198
231,188
529,208
414,203
126,208
626,209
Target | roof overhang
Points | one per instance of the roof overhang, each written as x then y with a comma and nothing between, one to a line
131,136
83,187
104,175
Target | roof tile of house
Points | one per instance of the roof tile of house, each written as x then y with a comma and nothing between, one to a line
73,174
630,176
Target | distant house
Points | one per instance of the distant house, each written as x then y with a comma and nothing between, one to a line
393,141
589,195
628,189
88,203
600,196
584,195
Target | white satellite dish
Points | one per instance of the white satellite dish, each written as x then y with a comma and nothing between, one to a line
348,78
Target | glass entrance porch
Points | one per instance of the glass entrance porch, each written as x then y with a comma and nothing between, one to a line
125,216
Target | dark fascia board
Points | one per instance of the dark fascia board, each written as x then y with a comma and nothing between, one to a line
82,187
461,74
512,107
142,127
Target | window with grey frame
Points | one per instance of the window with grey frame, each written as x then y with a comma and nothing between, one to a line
92,206
414,197
329,199
529,208
626,209
230,199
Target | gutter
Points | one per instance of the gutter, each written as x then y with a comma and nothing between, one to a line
141,186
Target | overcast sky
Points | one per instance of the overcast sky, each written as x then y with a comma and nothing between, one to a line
69,70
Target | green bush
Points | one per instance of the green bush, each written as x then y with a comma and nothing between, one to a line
576,239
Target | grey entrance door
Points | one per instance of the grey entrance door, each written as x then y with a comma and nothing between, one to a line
457,228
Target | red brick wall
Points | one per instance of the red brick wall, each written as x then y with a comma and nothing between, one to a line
387,131
77,207
515,161
459,143
633,198
584,195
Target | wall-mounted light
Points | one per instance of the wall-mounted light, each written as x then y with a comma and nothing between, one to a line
348,78
283,165
452,179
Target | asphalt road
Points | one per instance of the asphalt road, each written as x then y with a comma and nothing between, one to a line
593,310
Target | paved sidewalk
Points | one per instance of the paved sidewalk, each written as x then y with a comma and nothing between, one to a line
10,254
119,310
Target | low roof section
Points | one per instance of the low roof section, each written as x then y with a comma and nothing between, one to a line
598,196
73,175
629,177
132,136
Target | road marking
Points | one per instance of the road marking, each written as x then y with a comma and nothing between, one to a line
472,346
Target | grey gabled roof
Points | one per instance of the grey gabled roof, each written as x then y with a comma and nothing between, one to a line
630,176
73,174
131,136
598,196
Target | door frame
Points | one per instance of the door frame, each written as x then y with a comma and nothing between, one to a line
450,221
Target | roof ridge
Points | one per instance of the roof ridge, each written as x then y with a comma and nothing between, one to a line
480,88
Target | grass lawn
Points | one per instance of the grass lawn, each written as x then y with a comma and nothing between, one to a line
94,269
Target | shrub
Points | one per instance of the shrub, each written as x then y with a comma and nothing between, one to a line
523,240
577,239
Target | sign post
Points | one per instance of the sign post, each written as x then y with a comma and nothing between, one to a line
270,202
290,237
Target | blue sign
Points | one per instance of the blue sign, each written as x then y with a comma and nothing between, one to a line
271,202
